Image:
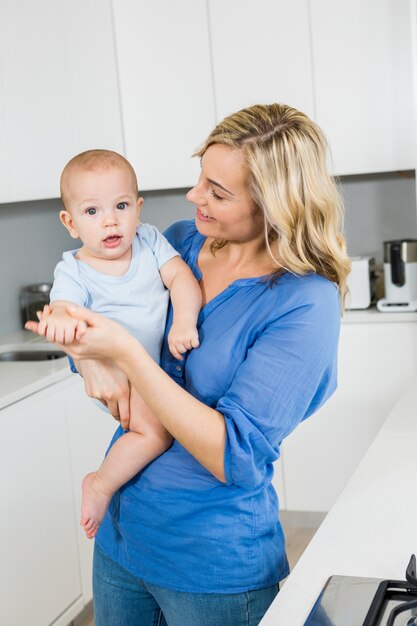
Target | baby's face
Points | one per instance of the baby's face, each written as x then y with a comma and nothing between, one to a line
103,211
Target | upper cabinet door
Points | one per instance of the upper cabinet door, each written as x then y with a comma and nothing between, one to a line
362,72
59,92
261,54
166,87
6,185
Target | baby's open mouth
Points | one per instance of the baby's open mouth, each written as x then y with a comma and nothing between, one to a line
111,241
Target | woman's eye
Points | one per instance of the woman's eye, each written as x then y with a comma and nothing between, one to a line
122,205
91,211
215,195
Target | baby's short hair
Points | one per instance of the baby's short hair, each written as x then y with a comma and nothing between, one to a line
92,160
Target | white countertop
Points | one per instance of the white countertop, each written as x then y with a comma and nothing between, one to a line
373,316
22,378
372,529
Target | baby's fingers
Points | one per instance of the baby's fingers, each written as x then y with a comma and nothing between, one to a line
195,342
42,327
177,349
60,335
50,333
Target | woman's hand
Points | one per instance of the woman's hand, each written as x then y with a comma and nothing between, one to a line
98,338
106,382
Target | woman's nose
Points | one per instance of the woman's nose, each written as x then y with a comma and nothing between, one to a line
195,195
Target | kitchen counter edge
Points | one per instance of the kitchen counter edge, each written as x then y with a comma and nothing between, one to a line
370,531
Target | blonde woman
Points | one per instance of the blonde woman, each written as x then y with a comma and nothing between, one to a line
195,538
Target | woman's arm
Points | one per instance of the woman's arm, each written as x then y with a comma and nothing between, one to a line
197,427
106,382
103,380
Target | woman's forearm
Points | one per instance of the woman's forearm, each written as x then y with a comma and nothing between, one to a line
106,382
198,428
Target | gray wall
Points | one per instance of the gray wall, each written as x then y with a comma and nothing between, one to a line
378,207
32,240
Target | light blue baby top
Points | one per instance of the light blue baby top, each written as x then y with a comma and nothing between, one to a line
137,299
267,361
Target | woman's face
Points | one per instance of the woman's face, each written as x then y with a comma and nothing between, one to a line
225,209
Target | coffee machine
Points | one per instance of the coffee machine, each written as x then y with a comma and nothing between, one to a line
400,276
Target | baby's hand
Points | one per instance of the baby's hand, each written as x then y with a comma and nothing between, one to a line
183,336
58,327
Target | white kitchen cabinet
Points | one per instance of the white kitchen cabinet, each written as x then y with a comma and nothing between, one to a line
39,572
377,360
166,87
261,54
58,91
90,430
362,59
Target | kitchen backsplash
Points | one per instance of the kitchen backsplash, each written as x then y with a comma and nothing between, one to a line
378,207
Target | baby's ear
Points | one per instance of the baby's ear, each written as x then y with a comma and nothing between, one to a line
66,219
139,204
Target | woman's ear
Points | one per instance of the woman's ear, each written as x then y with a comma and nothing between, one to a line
66,219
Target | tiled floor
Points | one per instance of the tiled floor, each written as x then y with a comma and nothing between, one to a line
297,539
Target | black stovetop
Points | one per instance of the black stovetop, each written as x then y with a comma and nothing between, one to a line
357,601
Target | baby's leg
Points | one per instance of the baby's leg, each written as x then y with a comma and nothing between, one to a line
146,440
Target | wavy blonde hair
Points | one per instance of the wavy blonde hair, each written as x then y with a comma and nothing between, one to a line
285,153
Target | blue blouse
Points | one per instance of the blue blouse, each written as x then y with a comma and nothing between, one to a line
267,360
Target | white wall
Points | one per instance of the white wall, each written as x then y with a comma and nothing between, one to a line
378,207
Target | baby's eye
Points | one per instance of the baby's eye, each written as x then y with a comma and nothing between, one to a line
91,211
122,205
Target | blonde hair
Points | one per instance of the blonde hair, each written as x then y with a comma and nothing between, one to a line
90,161
285,153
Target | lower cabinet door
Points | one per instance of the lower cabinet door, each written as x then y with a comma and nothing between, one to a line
39,566
377,361
90,430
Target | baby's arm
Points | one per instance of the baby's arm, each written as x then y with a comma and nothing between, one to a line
186,302
59,326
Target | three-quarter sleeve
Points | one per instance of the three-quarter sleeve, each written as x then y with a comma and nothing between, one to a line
289,371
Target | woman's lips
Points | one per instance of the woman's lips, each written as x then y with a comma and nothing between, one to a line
112,242
204,218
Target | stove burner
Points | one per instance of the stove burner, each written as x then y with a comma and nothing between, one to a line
406,595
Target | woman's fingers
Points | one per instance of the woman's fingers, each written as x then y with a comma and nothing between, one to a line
113,407
84,315
80,329
124,411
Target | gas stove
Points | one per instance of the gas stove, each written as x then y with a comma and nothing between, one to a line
356,601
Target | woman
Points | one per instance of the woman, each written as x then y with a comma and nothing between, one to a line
195,538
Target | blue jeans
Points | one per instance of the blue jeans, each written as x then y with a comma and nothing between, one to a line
121,599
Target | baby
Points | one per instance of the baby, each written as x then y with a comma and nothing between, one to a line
123,270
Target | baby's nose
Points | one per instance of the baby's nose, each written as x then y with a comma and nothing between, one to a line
109,218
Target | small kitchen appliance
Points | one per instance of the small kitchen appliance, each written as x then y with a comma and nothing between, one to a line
356,601
400,276
360,283
33,298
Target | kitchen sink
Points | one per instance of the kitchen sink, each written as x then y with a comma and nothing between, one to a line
30,353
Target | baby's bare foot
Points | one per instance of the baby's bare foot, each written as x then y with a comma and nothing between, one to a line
95,500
